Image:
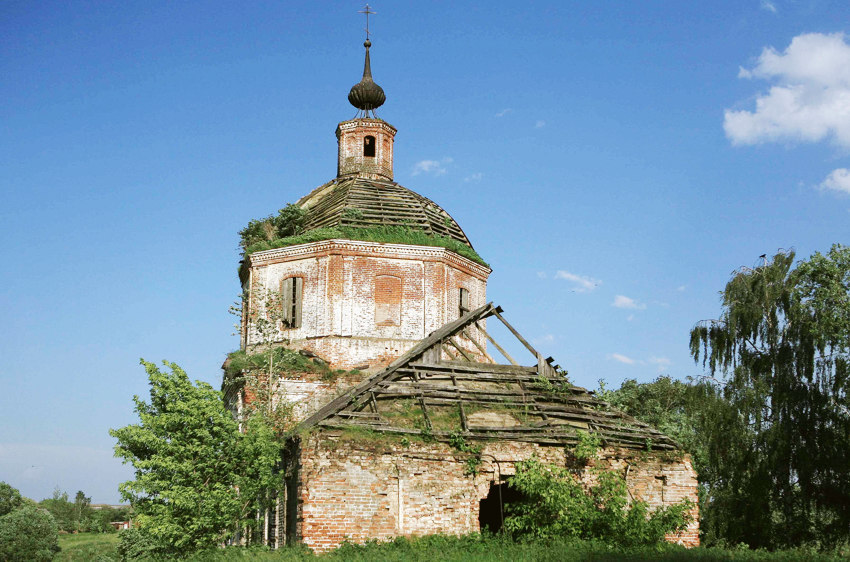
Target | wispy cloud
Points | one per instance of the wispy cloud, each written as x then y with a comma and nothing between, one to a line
581,283
622,301
504,112
433,167
622,358
662,363
541,275
476,177
768,6
809,95
544,339
838,180
681,288
539,124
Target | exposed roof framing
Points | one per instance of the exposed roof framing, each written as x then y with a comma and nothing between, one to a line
437,388
364,203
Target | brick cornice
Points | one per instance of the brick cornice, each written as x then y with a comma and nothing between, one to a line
372,249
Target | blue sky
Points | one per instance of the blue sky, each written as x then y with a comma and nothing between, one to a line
613,162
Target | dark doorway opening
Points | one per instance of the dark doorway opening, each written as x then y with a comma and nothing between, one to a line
492,509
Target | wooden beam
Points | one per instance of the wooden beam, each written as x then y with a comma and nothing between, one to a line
448,351
464,426
516,334
494,342
480,347
462,352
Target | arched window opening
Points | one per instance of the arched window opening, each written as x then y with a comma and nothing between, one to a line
369,146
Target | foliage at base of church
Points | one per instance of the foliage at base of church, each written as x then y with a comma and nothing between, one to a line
198,478
557,505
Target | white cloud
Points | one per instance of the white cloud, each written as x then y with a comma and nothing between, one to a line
541,275
809,99
544,339
540,124
504,112
622,301
476,177
435,167
630,317
663,363
622,358
768,6
581,283
681,288
838,180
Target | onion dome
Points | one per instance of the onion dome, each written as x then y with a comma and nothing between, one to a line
366,95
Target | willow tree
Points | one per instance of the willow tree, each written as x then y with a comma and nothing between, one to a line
781,348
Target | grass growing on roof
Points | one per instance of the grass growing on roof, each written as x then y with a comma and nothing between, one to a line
382,234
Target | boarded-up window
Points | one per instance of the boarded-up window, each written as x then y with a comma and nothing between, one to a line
463,301
290,300
387,300
369,146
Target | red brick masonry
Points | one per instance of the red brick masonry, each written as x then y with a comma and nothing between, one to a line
354,490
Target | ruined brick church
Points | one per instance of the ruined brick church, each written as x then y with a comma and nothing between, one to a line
376,453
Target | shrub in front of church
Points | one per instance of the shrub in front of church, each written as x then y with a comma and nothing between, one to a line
557,504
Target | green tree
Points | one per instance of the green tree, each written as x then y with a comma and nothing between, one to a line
10,499
28,533
196,475
781,450
61,509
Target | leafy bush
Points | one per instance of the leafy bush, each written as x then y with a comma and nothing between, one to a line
288,222
28,533
10,499
136,544
558,505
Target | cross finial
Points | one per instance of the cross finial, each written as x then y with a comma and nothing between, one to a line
367,10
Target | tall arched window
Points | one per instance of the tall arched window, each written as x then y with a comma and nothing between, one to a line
369,146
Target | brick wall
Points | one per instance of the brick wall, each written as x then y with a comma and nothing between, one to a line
345,296
354,490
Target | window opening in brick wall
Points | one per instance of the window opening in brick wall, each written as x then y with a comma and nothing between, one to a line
491,510
369,146
387,300
291,290
463,302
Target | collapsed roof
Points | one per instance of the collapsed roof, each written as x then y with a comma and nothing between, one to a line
424,393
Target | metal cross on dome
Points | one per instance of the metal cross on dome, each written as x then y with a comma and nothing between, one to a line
367,10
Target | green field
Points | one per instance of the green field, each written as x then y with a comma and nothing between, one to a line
97,547
102,547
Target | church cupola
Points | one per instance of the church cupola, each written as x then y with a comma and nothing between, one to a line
366,142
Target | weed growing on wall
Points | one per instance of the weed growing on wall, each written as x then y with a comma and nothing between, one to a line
473,461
